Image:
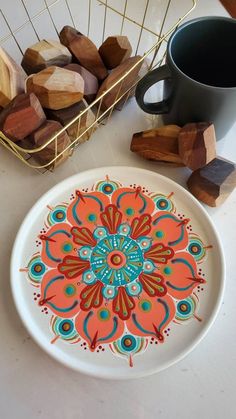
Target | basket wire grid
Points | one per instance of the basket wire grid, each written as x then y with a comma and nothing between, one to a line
152,57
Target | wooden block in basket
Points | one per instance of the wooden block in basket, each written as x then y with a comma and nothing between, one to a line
40,137
44,54
90,81
22,116
64,116
56,87
12,78
115,50
160,144
121,87
84,50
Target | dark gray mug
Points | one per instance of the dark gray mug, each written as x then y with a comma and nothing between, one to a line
199,75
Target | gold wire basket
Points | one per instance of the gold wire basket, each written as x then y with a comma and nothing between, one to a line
153,57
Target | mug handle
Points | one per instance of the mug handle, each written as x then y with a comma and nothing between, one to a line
161,73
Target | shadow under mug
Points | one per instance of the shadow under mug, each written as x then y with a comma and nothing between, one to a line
199,75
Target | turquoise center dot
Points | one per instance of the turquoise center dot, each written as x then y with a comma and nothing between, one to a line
92,217
167,270
129,211
146,305
104,314
65,327
184,307
59,215
107,188
159,234
67,247
38,269
70,290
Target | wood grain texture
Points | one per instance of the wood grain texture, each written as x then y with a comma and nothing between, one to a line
197,144
213,183
160,144
230,6
22,116
84,50
115,50
64,116
42,135
121,87
44,54
56,88
90,81
12,78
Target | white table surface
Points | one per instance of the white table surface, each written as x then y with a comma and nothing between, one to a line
32,385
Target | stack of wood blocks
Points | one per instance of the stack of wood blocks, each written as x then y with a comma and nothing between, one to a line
194,146
60,79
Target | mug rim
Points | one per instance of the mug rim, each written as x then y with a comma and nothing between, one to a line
179,29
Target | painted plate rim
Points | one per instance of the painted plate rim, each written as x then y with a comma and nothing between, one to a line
208,323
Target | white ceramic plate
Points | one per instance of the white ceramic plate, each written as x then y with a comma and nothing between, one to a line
132,287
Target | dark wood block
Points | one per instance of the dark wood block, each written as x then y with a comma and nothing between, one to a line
160,144
115,50
213,183
141,73
114,76
230,6
42,135
22,116
44,54
84,50
197,144
90,81
64,116
12,78
56,88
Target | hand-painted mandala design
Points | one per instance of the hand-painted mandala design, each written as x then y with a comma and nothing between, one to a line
116,266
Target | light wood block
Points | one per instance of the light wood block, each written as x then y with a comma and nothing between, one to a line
56,88
44,54
12,78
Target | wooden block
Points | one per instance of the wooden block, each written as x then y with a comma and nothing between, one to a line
160,144
47,154
22,116
56,87
230,6
142,71
213,183
84,50
114,76
64,116
12,79
197,144
44,54
115,50
90,81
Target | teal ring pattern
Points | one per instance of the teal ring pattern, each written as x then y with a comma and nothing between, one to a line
127,273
